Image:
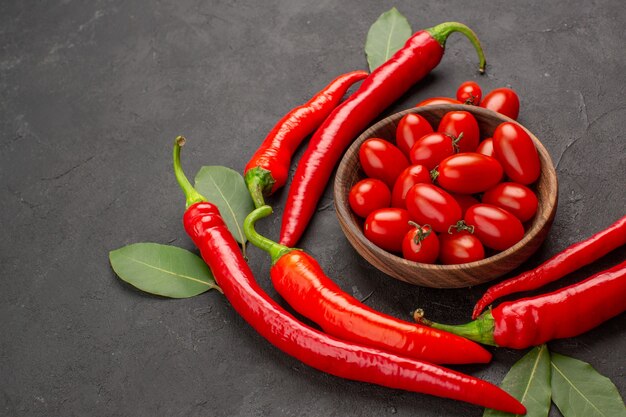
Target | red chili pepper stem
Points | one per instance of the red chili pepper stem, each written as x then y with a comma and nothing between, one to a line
479,330
441,32
192,196
260,182
275,249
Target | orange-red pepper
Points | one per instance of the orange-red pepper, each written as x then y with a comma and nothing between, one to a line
268,168
300,280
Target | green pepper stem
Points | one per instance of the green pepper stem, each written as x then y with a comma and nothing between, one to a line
259,182
479,330
276,250
192,196
441,32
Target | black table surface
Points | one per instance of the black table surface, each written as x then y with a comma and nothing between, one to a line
92,95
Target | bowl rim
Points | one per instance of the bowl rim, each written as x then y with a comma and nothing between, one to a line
343,211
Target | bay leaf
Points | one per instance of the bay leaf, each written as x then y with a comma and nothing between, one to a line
386,36
578,390
528,380
227,189
162,270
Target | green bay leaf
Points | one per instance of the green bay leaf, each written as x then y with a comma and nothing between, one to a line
528,380
227,189
578,390
386,36
162,270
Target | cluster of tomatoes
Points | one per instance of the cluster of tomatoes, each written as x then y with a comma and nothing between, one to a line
502,100
446,196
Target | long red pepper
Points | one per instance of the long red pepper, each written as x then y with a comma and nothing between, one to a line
220,251
421,53
300,280
567,312
268,168
574,257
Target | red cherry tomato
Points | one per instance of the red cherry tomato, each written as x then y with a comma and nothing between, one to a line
455,123
412,175
486,147
460,248
469,93
382,160
437,100
502,100
420,244
465,201
368,195
410,129
387,227
431,205
517,199
517,153
468,173
432,149
495,227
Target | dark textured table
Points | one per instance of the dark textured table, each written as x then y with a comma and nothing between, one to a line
92,95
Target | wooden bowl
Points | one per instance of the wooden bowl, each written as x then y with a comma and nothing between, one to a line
444,276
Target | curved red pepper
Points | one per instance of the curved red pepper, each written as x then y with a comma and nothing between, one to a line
220,251
300,280
567,312
268,168
574,257
421,53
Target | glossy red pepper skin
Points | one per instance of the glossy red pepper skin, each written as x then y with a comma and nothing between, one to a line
268,168
421,53
566,262
567,312
220,251
300,280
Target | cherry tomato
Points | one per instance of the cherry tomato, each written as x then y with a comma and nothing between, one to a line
515,198
455,123
517,153
420,244
495,227
486,147
469,93
368,195
468,173
437,100
387,227
410,129
432,149
408,178
431,205
502,100
460,248
465,201
382,160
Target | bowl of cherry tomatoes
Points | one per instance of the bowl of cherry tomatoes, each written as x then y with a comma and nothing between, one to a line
446,195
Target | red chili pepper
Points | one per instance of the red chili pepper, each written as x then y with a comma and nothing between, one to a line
268,168
567,312
220,251
421,53
300,280
574,257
